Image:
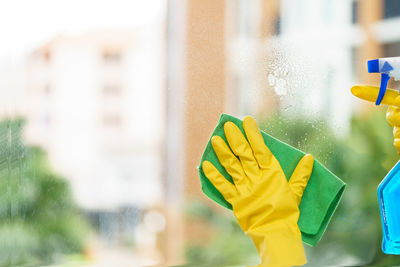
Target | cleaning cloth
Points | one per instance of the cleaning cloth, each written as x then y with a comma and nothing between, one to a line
321,196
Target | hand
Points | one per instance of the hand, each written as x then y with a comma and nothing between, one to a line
393,118
392,98
265,204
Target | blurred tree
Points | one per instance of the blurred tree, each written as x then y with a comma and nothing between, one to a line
38,220
227,245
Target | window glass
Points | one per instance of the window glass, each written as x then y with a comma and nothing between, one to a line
354,11
106,108
392,9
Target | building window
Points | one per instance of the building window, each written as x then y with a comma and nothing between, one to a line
112,120
47,89
47,56
354,11
357,64
44,120
278,25
112,56
391,49
391,8
112,90
244,19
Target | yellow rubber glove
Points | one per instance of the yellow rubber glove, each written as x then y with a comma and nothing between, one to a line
391,98
265,204
393,118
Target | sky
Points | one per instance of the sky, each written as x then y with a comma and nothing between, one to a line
25,24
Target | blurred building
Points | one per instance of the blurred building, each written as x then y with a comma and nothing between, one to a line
318,37
248,25
97,105
329,43
292,55
196,69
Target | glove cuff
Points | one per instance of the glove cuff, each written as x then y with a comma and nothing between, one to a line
279,248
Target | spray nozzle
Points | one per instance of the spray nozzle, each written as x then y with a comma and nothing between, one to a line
387,68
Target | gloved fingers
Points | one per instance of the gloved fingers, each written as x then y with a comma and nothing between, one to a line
225,187
396,132
396,144
393,116
396,135
261,152
240,147
299,179
393,113
230,162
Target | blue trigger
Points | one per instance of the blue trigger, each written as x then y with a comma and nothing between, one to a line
386,67
384,81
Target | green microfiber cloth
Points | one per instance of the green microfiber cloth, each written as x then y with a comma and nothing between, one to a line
321,196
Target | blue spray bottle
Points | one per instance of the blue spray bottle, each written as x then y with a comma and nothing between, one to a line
389,203
389,188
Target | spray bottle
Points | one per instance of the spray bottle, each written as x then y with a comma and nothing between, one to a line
388,67
389,199
389,188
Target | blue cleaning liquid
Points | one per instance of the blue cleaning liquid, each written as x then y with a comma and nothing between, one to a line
389,203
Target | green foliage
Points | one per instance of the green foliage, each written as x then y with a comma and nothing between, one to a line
38,219
228,245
